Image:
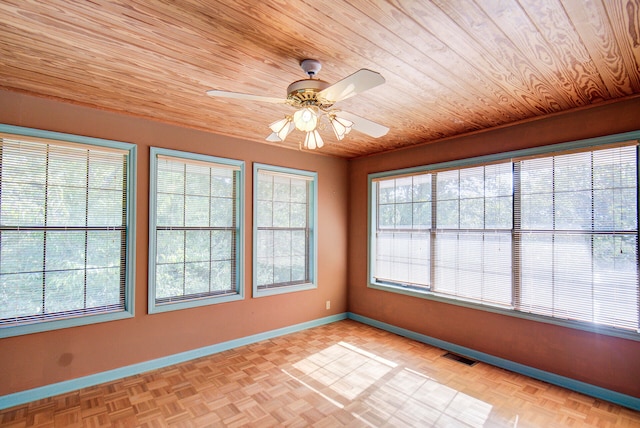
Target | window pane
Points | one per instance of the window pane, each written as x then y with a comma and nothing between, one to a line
197,246
499,212
64,291
404,216
265,213
298,215
170,209
403,257
222,276
196,211
66,206
195,240
283,230
65,250
196,277
448,216
386,216
472,213
98,291
404,190
282,242
22,204
21,252
21,295
222,245
564,242
386,193
197,180
474,265
537,211
422,188
104,248
222,212
281,189
61,256
170,246
169,280
222,183
280,214
105,207
590,276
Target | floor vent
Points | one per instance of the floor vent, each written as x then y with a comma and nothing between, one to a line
460,359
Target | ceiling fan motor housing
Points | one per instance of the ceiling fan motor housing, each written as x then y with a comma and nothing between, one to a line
304,92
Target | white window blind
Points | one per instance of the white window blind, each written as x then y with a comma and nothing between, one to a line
196,232
473,233
284,228
403,232
551,234
579,237
63,230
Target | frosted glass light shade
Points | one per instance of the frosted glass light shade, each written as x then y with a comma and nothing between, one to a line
305,119
313,140
281,128
341,126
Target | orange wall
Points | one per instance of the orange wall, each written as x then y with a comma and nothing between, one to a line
44,358
605,361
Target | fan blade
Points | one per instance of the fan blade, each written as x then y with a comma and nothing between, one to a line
247,97
360,81
363,125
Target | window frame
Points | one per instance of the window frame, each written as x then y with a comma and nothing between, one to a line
312,213
154,307
31,134
477,161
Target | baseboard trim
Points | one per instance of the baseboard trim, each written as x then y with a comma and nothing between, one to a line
34,394
565,382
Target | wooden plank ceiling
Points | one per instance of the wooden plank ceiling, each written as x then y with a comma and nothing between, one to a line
451,66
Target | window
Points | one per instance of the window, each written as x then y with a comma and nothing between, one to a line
473,222
554,234
66,230
284,230
195,235
578,237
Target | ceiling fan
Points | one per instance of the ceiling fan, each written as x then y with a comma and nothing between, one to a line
314,100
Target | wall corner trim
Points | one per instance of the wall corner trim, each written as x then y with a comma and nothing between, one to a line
23,397
562,381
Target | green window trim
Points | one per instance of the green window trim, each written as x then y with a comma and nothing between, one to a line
285,212
196,232
68,211
519,303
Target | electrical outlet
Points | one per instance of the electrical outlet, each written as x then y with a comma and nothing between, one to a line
328,304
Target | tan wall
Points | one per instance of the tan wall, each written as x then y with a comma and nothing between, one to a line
605,361
44,358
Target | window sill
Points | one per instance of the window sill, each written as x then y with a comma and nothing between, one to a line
38,327
194,303
283,289
509,311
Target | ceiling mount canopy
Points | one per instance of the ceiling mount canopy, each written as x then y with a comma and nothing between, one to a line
313,100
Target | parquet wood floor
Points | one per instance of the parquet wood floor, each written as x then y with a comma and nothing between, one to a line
341,374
